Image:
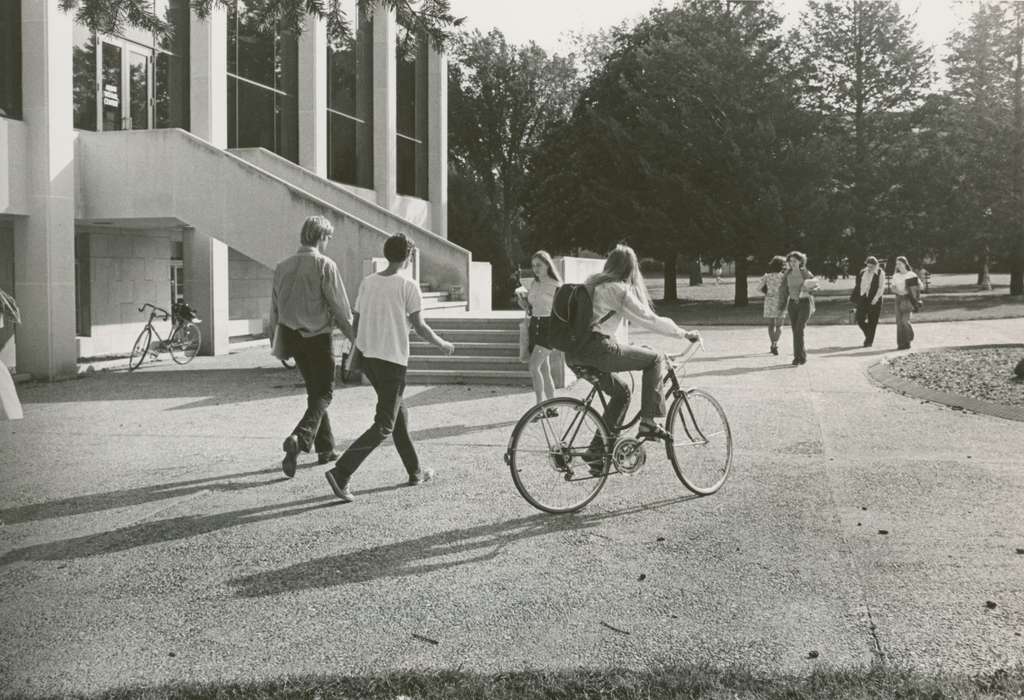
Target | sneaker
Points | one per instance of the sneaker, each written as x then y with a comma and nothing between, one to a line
774,350
291,453
653,432
339,487
325,457
421,477
594,462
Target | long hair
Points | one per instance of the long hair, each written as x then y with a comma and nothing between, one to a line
799,256
545,257
906,264
622,266
777,264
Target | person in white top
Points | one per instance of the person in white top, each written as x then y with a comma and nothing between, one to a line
386,303
537,303
907,288
619,294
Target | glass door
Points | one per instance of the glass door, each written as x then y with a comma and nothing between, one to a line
125,85
111,87
138,89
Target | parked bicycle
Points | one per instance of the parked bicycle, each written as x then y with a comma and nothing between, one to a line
182,343
561,451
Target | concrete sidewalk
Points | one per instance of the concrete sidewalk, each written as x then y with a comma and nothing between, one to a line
148,535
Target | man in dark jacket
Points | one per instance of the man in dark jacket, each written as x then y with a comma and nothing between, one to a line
867,297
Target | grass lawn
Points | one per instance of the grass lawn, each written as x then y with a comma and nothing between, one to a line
950,298
661,682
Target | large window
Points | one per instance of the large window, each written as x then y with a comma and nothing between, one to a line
262,85
10,59
350,101
134,80
412,114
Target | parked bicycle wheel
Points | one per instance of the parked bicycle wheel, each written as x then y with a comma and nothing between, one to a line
548,455
184,342
140,349
701,447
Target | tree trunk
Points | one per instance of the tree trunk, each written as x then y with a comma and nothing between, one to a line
741,298
696,275
1017,257
671,293
984,279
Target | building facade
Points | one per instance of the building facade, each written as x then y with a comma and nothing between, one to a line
137,168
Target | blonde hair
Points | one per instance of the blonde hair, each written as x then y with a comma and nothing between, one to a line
315,228
545,257
622,266
905,262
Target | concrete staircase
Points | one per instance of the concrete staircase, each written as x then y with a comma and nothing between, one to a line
486,352
438,302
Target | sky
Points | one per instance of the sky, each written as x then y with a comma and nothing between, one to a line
547,21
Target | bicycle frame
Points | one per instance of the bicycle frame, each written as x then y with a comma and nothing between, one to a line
163,315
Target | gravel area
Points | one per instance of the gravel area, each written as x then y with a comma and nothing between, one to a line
981,373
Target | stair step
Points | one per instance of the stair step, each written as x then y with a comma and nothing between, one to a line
477,336
474,323
425,349
496,377
436,296
468,364
432,307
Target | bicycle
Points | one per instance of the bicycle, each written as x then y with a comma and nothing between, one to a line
562,452
182,343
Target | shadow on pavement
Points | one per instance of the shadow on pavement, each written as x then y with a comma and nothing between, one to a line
91,503
422,555
457,430
736,371
446,394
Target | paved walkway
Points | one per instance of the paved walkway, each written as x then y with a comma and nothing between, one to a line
148,536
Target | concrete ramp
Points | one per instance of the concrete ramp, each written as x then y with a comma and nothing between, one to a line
172,174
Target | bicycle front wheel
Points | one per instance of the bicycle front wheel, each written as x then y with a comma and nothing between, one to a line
140,348
184,343
556,455
701,446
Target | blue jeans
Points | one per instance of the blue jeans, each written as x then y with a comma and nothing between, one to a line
608,356
391,418
799,312
315,360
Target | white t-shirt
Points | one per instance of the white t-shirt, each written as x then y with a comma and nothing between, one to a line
384,304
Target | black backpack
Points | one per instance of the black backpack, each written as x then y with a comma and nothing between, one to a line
572,314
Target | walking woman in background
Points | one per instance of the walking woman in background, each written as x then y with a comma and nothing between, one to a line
537,303
774,308
797,295
907,288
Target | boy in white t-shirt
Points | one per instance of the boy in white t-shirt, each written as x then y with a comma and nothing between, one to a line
387,302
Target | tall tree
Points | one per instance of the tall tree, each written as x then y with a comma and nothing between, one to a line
502,100
867,76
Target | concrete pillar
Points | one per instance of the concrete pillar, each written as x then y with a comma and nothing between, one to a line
44,241
385,106
437,140
206,258
208,71
206,284
313,95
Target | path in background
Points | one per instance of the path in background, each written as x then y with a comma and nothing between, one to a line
148,535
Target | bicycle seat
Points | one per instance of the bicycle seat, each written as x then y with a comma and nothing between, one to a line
589,374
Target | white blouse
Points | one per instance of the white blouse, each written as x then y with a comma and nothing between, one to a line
899,282
617,297
540,296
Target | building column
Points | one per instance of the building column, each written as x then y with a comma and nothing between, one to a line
437,140
385,106
313,95
44,241
206,258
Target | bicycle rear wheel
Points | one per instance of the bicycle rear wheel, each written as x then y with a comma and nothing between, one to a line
701,446
548,454
140,349
184,343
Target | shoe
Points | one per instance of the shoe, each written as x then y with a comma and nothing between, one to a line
796,361
422,477
653,432
594,462
552,412
340,488
291,453
325,457
803,360
867,343
774,350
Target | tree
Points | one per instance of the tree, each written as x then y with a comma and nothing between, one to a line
689,141
502,99
867,75
430,17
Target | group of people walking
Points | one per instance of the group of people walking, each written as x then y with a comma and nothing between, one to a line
308,302
789,287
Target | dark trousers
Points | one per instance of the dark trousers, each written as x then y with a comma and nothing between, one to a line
799,312
391,418
315,360
904,313
867,318
608,356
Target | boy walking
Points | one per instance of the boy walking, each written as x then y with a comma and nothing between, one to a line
387,302
308,301
867,297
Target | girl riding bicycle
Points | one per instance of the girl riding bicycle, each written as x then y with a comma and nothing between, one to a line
618,293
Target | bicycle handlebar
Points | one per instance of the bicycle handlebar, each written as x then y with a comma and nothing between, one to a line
684,356
155,308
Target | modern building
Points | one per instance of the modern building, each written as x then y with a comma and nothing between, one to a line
137,168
